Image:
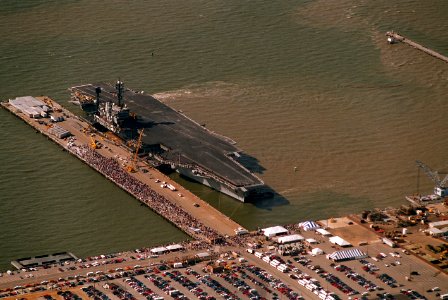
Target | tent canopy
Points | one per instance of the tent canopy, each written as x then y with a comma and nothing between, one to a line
309,225
323,232
174,247
273,231
311,241
290,238
317,251
159,250
346,255
203,254
339,241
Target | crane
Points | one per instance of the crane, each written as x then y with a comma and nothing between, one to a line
440,189
132,167
93,143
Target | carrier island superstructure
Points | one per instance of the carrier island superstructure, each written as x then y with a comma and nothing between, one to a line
171,139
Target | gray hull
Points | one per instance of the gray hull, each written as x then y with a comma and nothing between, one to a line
212,183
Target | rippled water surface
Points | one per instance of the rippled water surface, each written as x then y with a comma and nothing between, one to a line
306,84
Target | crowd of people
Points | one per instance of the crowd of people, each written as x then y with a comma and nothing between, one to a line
293,227
110,168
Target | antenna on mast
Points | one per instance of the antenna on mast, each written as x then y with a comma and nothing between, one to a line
119,86
98,92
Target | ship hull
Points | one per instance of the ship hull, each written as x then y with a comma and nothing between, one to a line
212,183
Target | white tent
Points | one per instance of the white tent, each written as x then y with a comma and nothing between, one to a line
290,238
317,251
273,231
159,250
323,232
311,241
174,247
203,254
337,240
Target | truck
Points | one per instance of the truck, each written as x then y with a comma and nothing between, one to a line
171,187
389,242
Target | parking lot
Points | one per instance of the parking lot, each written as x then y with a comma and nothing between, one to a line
249,277
261,273
385,273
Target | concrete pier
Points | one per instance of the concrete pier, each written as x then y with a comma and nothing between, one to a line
399,38
182,200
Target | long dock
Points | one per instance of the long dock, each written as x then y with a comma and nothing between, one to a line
399,38
182,200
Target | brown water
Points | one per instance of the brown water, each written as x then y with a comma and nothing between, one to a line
306,84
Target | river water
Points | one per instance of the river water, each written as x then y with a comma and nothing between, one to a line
305,84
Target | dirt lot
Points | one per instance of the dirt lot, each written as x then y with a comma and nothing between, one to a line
352,232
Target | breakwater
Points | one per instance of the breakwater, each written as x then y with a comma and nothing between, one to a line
397,37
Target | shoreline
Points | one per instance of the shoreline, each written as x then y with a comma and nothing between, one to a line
101,270
211,231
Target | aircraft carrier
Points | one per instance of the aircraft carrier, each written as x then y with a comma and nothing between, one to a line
171,139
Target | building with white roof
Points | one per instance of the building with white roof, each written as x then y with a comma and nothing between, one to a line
437,229
438,224
436,232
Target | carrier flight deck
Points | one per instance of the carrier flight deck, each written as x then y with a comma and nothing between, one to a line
172,139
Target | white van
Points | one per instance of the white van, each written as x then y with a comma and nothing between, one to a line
283,268
274,263
266,259
178,265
